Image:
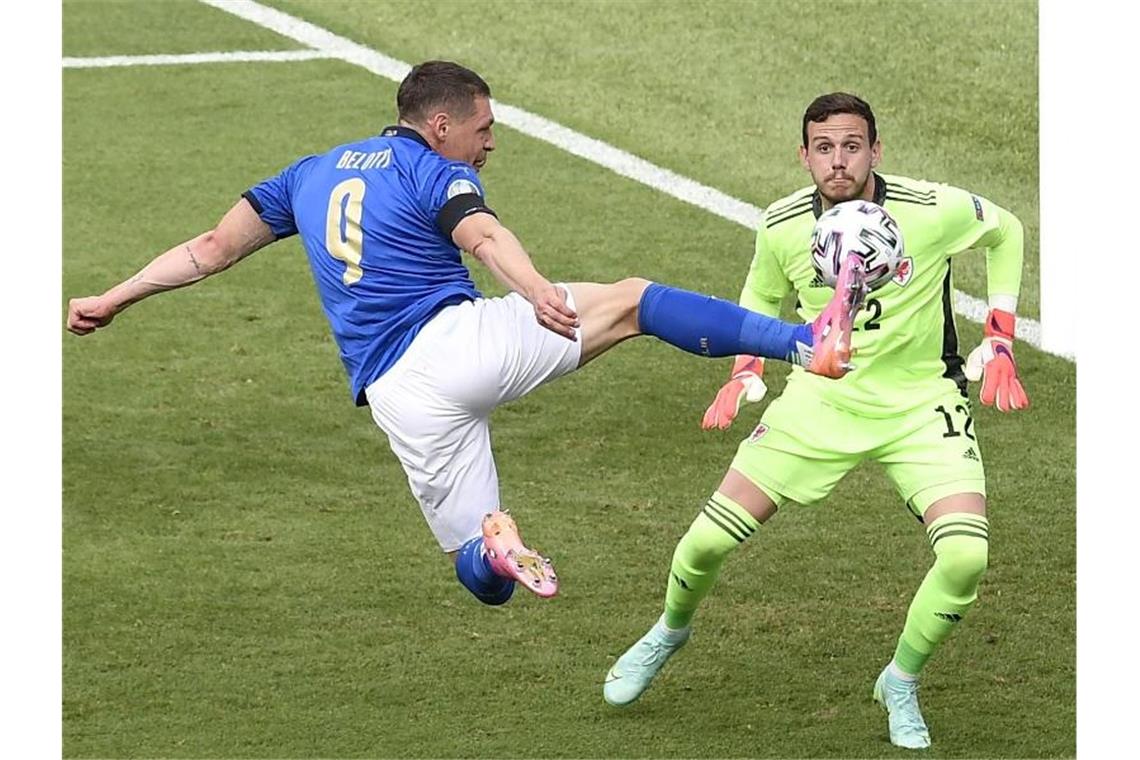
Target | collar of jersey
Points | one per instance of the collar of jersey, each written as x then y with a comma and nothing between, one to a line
817,201
408,132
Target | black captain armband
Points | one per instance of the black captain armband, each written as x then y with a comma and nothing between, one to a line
253,201
260,211
459,208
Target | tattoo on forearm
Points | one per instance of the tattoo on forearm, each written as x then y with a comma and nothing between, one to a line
194,261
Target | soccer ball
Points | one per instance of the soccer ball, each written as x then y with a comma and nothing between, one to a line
862,228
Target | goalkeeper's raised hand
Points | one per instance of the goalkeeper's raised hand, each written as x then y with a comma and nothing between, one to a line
992,363
744,385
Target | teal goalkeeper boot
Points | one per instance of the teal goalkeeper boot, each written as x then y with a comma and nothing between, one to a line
634,670
900,699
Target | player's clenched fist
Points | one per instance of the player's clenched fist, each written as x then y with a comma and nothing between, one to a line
85,315
992,363
553,313
744,385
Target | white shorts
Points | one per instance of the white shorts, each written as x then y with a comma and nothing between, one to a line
435,402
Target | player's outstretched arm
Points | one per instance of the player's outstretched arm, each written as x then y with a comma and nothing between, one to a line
238,234
497,248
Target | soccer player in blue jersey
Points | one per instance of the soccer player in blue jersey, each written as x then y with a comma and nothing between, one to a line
383,221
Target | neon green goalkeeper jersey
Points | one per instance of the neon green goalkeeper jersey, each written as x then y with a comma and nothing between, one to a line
906,344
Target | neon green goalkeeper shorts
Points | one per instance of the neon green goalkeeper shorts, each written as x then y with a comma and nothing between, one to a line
803,447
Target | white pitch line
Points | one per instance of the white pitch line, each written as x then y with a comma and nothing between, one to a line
245,56
596,151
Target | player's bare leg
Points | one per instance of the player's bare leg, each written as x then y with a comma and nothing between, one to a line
608,313
744,492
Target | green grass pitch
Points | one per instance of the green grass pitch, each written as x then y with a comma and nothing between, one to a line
245,573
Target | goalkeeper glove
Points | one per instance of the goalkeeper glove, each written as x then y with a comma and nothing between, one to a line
992,363
744,385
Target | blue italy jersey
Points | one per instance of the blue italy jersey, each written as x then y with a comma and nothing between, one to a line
376,218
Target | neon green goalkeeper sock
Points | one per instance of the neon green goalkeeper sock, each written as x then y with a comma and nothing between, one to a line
719,528
961,549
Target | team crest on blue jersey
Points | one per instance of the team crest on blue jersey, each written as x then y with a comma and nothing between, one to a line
904,272
462,187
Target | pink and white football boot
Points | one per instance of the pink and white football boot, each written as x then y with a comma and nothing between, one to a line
511,559
832,329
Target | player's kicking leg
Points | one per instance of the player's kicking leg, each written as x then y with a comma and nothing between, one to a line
831,331
708,326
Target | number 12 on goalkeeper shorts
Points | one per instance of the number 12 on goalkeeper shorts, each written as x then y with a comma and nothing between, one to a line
954,430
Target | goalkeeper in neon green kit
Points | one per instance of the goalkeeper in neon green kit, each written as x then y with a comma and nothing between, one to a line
905,406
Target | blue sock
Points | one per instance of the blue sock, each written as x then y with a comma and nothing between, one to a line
708,326
475,573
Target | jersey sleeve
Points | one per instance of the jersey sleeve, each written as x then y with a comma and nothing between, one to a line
966,218
454,194
971,221
766,284
272,198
